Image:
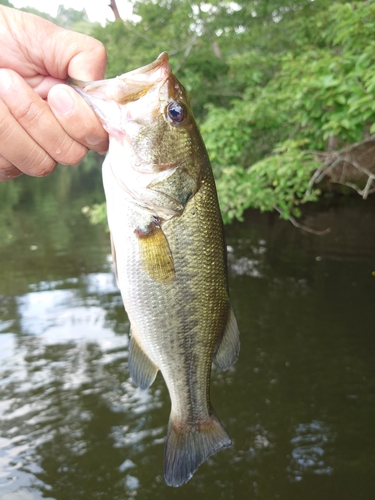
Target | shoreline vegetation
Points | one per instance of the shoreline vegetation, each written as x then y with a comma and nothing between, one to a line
283,91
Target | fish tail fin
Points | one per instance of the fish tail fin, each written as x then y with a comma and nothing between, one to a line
187,447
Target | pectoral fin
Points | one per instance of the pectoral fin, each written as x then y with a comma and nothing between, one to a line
142,369
157,259
229,347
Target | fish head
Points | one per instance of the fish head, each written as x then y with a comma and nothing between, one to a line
147,116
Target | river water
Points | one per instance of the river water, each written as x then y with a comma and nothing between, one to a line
299,404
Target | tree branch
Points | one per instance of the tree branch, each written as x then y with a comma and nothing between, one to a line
113,6
187,51
334,158
303,227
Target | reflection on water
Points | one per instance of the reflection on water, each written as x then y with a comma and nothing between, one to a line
61,329
245,265
299,404
309,446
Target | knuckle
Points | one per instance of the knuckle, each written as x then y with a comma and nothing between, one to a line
27,112
39,163
97,48
70,154
89,132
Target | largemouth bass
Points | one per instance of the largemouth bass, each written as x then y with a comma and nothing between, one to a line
169,253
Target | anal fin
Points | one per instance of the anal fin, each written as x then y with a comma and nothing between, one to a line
142,370
229,347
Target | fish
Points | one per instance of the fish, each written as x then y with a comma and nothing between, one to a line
169,252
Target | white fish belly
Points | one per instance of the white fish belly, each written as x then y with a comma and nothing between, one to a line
170,321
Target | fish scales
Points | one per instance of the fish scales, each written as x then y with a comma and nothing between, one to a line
169,253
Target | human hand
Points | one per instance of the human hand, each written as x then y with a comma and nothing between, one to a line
42,121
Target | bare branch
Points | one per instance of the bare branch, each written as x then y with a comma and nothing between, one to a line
347,149
303,227
344,157
187,51
366,191
353,186
325,170
357,165
355,145
113,6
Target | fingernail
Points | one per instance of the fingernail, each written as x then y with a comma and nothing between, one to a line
97,144
61,101
93,140
6,81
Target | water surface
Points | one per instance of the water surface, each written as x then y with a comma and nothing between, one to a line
299,404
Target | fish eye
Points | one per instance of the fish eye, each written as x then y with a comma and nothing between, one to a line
176,111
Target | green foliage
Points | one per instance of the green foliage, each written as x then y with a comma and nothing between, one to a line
182,29
75,20
71,19
277,181
262,145
271,83
97,213
36,12
45,194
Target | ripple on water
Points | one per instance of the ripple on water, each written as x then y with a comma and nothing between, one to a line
309,453
60,357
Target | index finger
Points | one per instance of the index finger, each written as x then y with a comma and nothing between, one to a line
33,139
78,56
48,49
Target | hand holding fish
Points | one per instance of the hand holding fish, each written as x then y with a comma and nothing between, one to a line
42,122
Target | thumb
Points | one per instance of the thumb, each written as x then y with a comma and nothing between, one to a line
78,56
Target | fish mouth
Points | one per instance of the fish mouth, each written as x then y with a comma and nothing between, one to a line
127,87
158,69
107,97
